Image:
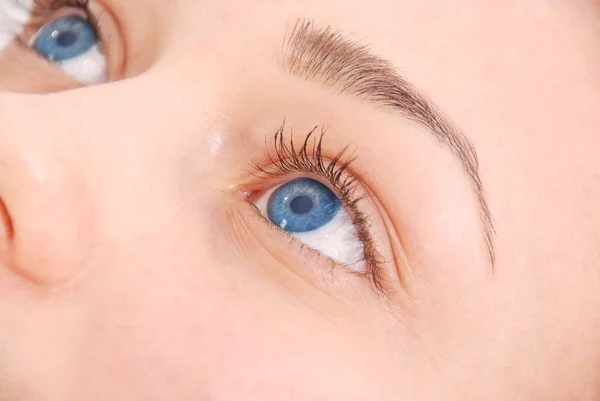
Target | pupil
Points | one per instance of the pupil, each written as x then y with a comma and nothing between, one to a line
301,205
66,39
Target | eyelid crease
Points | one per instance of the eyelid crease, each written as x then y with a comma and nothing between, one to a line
327,56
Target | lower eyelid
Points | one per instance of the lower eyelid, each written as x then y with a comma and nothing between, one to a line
288,254
337,239
284,160
390,248
283,257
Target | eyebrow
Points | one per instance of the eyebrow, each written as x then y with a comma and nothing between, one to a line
327,56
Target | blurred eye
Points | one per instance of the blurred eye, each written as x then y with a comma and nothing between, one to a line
72,44
314,215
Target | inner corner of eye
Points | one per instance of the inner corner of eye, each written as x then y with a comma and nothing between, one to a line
256,196
250,194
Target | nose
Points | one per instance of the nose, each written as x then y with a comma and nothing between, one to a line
44,198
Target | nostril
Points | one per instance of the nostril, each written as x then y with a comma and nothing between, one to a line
45,204
6,235
44,234
6,226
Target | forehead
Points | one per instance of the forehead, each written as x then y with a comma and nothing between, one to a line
457,53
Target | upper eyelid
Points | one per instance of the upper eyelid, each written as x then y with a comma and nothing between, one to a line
287,154
43,10
326,55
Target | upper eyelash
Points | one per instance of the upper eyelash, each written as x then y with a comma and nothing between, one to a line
42,8
309,158
52,5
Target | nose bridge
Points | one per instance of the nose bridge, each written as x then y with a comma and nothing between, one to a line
43,193
85,168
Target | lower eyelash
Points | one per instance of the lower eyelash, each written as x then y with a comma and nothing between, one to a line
309,159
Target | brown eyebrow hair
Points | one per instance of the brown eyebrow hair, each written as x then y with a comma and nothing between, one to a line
327,56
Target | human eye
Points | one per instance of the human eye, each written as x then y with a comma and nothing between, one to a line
319,203
313,214
69,35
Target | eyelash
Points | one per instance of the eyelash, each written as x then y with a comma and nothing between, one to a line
288,159
44,7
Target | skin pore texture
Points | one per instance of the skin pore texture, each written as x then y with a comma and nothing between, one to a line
135,263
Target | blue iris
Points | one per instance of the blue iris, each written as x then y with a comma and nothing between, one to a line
302,205
65,38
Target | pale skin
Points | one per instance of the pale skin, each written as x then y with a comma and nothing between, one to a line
134,267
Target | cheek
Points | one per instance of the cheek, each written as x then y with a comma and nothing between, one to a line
227,340
174,315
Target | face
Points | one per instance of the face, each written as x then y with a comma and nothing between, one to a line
309,200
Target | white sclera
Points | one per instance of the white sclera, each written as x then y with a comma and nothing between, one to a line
337,239
89,68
